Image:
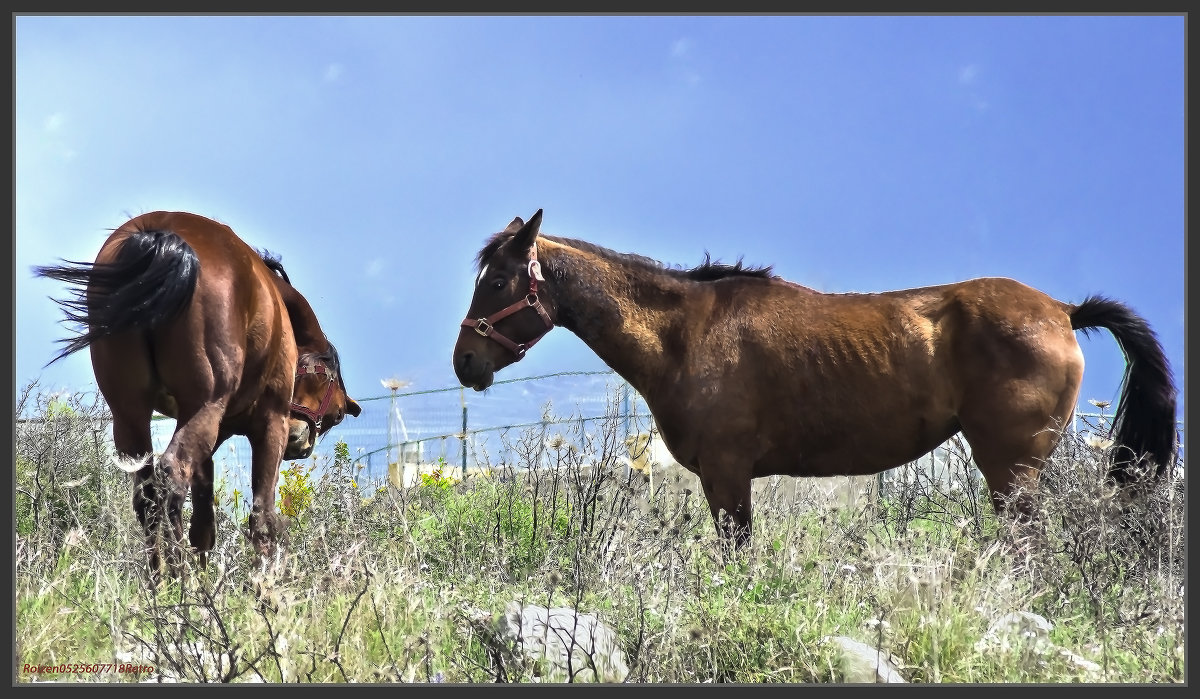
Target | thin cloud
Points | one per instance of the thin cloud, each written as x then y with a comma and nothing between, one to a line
968,77
54,126
375,267
333,72
681,51
968,74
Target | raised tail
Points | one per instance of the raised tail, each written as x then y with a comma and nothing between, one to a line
150,281
1144,425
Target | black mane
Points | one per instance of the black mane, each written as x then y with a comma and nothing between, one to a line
273,263
709,270
706,271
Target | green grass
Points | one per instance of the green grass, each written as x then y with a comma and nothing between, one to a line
384,589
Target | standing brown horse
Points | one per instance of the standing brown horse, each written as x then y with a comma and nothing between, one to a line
748,375
184,318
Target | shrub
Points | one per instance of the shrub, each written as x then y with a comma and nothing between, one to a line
295,490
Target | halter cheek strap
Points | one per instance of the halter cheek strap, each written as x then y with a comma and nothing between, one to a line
315,416
486,326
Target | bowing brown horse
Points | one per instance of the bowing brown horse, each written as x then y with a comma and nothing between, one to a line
748,375
184,318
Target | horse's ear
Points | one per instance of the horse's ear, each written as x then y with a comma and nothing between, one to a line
516,225
524,238
353,407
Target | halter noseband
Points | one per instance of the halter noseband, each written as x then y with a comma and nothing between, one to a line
487,326
314,416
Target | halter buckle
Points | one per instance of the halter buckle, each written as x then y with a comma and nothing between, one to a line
483,327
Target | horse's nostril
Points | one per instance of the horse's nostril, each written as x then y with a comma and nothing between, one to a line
464,359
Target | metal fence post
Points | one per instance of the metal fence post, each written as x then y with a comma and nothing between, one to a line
625,391
463,399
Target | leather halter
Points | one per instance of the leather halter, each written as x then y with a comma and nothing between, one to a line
487,326
316,416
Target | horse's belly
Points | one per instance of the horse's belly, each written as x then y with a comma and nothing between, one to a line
856,455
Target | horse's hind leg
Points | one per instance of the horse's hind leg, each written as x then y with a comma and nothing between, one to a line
1010,448
124,380
1017,401
132,440
203,532
1011,476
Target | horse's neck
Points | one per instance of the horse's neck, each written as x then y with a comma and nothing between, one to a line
308,333
621,319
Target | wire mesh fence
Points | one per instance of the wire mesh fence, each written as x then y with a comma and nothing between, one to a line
459,431
401,434
453,429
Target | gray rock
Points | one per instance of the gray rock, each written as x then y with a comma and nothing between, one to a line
1017,629
862,663
570,645
1028,633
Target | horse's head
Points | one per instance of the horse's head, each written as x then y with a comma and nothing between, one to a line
319,402
506,316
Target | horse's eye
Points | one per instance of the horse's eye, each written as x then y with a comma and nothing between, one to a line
497,284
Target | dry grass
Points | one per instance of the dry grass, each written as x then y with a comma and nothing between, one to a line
384,589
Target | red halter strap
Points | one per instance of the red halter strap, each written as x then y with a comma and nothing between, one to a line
486,326
315,416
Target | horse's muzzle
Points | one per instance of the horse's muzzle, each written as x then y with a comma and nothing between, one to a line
301,440
473,371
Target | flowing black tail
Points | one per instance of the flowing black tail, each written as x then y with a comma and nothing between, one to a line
1144,425
150,281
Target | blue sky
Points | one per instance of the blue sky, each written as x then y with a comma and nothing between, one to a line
375,154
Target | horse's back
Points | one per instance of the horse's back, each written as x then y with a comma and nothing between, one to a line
857,383
961,341
987,314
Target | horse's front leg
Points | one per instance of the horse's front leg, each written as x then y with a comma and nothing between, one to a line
267,443
727,490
